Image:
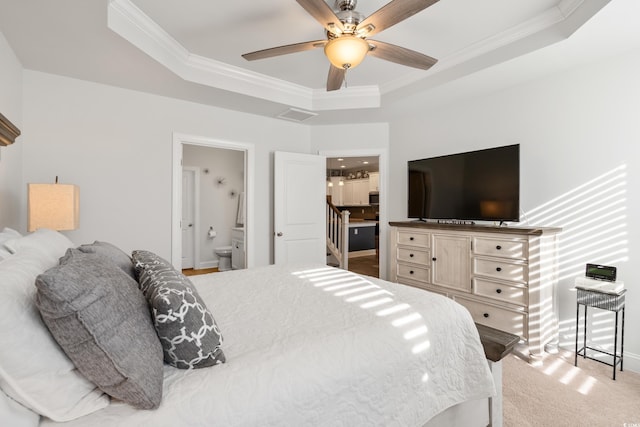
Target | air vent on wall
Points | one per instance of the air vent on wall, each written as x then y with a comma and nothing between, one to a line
296,115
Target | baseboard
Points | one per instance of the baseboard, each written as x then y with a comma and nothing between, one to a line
631,362
206,264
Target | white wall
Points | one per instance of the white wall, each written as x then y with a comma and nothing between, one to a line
116,145
572,128
218,208
11,156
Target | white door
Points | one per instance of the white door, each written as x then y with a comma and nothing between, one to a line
299,208
188,217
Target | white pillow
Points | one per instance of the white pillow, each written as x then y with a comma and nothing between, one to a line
33,369
5,235
15,415
50,242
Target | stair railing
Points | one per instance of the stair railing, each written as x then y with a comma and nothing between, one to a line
338,234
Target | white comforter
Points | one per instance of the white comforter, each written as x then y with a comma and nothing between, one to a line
318,346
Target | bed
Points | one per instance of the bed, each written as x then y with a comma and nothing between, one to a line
304,345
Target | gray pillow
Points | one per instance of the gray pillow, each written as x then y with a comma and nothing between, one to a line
188,332
101,320
112,252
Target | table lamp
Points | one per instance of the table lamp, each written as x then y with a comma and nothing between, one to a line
54,206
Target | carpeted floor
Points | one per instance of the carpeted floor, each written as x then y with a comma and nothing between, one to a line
557,394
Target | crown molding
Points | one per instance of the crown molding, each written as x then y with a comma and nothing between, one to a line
348,98
543,21
132,24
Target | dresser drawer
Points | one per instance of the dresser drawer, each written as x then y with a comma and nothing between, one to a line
406,237
510,271
505,248
412,255
414,273
512,321
500,291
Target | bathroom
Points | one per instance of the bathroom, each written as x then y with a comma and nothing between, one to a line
213,209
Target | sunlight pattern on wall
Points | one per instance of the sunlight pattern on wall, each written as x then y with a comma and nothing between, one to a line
593,217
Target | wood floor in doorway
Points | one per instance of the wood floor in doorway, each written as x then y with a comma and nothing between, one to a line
192,272
367,265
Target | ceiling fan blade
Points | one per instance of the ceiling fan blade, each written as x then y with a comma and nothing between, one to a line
283,50
323,13
335,78
390,14
400,55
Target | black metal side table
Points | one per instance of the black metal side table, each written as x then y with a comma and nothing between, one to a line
614,302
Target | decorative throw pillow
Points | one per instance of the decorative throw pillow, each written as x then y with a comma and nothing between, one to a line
111,252
101,320
188,332
143,259
33,369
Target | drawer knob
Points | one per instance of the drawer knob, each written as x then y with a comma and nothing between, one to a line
411,272
498,247
410,238
410,255
486,315
433,259
499,269
499,290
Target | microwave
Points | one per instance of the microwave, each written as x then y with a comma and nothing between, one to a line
374,198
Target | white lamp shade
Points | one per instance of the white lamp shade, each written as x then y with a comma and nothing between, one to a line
53,206
346,51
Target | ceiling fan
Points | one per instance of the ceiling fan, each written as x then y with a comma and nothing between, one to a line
347,40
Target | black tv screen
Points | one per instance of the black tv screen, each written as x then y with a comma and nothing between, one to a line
477,185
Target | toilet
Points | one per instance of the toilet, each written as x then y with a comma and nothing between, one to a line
224,257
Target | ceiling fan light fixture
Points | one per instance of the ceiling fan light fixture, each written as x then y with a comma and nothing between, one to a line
346,52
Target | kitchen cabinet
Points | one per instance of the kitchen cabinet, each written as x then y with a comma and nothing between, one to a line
237,248
362,237
355,192
374,181
336,191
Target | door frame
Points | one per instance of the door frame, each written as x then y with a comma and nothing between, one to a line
383,159
180,139
196,215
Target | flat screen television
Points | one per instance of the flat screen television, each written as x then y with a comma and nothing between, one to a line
476,185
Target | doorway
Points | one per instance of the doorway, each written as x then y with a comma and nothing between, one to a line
356,181
190,220
233,186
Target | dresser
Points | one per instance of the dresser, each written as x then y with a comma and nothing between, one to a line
505,276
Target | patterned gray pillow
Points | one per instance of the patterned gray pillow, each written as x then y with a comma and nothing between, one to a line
101,320
188,332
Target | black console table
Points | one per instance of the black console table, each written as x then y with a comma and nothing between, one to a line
614,302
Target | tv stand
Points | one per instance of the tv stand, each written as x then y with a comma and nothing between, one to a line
504,276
